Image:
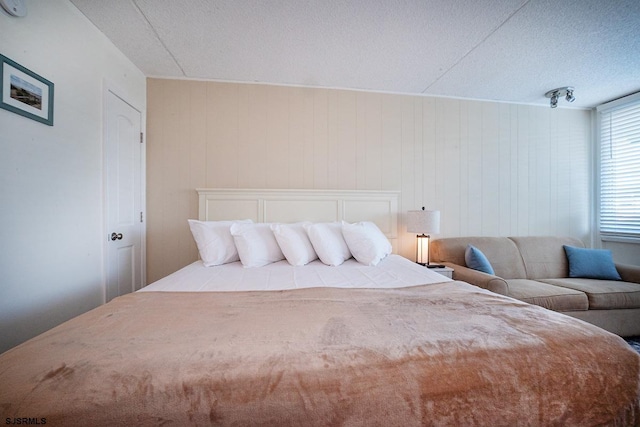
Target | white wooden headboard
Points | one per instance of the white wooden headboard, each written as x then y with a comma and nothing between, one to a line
380,207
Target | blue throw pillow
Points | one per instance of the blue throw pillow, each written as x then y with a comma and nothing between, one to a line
475,259
591,263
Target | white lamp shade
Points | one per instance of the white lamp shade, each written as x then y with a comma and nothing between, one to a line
424,222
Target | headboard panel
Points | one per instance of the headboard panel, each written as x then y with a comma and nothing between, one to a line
380,207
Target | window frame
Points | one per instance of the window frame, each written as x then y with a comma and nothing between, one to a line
599,111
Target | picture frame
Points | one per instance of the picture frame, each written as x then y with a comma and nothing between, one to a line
24,92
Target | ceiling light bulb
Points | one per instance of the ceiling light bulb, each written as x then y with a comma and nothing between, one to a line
570,97
554,101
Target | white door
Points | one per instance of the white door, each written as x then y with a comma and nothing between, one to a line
123,186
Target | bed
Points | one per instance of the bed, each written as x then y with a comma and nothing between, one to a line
386,344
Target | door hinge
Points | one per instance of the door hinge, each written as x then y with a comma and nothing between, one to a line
141,137
141,217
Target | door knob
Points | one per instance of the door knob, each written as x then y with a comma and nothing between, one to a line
115,236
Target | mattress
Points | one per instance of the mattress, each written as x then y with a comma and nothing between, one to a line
392,272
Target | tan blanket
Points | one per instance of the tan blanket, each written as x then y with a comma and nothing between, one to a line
444,354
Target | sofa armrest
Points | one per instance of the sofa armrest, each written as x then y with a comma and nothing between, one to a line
629,273
483,280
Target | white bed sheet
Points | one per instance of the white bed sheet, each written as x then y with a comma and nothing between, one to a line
392,272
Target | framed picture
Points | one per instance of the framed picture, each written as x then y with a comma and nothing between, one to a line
24,92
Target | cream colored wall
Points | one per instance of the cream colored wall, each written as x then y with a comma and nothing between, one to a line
491,168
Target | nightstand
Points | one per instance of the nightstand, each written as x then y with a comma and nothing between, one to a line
445,271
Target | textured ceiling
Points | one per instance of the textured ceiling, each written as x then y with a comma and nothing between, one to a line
506,50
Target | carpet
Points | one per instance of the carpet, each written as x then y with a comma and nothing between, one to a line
634,342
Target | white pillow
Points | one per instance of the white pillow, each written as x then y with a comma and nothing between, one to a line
367,243
294,243
257,246
327,240
214,241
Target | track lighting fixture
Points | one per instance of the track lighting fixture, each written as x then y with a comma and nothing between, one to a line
555,94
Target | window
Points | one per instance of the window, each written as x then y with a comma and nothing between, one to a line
620,168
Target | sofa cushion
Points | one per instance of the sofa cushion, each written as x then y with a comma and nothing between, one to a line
591,263
603,294
501,252
544,257
546,295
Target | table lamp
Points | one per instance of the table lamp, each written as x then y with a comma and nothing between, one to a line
423,222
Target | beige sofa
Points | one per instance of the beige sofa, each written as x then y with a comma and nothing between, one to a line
536,270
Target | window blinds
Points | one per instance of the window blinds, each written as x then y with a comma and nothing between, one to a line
620,169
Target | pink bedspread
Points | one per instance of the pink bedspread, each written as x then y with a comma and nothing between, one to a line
444,354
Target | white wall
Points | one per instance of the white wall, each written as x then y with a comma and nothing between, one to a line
51,202
624,252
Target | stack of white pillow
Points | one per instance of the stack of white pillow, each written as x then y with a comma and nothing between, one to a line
256,245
